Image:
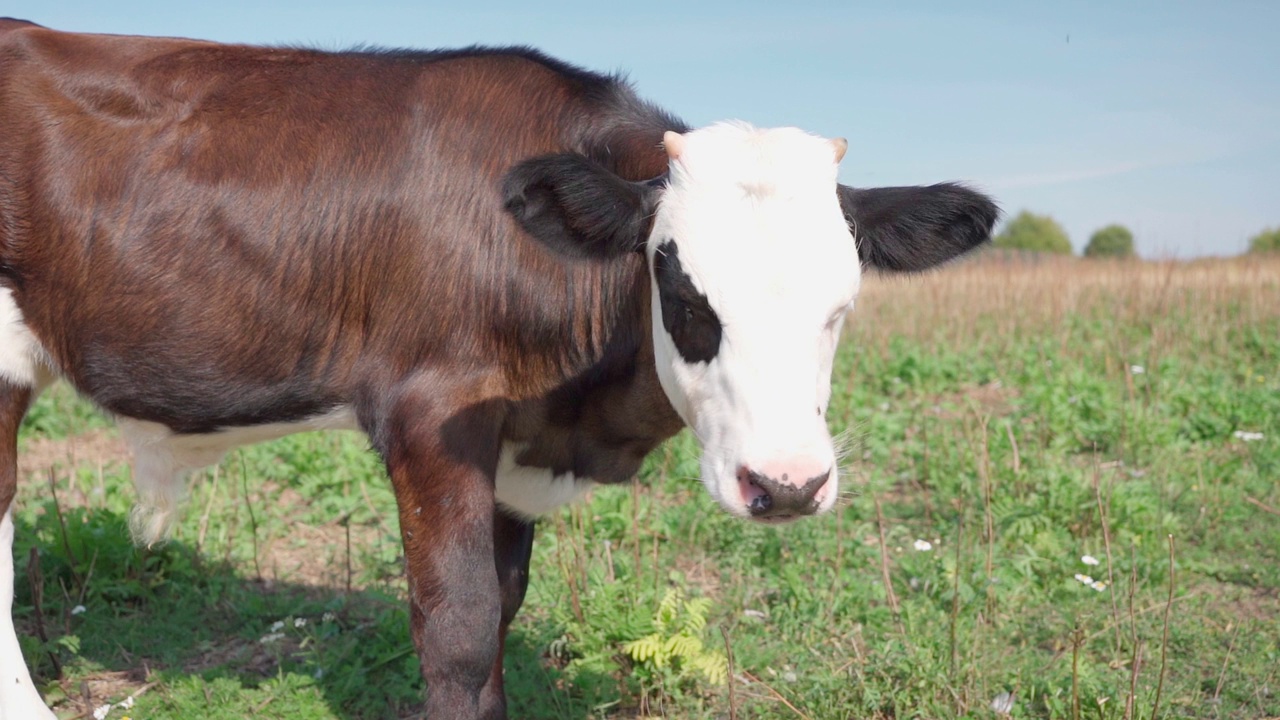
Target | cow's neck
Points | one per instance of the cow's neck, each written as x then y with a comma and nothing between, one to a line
606,410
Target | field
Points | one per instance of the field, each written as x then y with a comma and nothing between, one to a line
1001,421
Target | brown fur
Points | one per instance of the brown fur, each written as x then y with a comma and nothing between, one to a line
205,236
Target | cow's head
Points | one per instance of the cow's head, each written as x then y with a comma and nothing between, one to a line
755,256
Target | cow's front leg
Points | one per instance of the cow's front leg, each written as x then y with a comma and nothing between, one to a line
443,478
512,547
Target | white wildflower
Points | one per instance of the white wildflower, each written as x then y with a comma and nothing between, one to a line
1137,369
127,702
270,638
1247,436
1098,585
1089,560
77,609
277,626
1003,703
299,622
100,712
923,545
1085,579
328,617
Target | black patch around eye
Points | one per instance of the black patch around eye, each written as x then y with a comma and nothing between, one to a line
686,314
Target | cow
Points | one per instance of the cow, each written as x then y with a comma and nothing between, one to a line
514,275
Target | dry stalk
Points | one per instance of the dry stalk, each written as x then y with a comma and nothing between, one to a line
1105,521
1077,639
36,577
955,596
1136,660
884,564
62,526
1164,641
779,696
1013,442
728,654
1222,676
1262,505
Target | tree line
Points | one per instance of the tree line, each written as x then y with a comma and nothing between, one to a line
1030,232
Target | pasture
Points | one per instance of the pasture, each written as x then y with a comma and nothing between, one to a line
1001,421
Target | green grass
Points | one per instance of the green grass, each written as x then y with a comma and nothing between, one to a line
992,431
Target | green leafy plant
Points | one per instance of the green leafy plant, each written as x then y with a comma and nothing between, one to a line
674,653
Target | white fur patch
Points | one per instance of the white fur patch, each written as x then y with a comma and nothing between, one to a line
531,492
757,223
23,361
162,460
18,695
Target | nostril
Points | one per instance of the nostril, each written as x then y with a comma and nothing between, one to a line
776,495
761,503
754,494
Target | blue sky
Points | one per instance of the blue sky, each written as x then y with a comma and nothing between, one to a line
1163,116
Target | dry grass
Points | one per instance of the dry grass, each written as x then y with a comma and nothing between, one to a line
989,299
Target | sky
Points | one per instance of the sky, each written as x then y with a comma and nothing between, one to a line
1162,116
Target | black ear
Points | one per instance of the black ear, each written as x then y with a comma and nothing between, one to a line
579,208
906,229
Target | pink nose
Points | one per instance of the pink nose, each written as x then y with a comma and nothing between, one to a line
775,490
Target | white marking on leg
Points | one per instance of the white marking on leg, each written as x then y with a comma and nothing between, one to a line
18,695
532,491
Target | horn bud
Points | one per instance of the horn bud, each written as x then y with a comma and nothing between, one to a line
674,144
840,145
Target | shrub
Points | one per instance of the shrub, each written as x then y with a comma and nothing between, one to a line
1036,233
1112,241
1267,241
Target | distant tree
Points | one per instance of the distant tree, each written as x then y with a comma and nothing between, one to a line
1036,233
1266,241
1112,241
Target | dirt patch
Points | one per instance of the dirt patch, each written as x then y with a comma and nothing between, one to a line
93,691
259,657
97,447
317,556
992,399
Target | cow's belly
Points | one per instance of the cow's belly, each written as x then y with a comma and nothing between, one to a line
531,491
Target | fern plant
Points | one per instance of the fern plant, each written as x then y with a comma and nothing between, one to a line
674,654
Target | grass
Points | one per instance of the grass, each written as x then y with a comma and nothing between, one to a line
1016,417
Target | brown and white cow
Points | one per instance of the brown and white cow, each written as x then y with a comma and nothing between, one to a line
513,275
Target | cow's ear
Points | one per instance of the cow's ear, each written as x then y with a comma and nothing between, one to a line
906,229
578,207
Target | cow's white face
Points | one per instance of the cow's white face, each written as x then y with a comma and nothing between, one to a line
753,270
752,266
